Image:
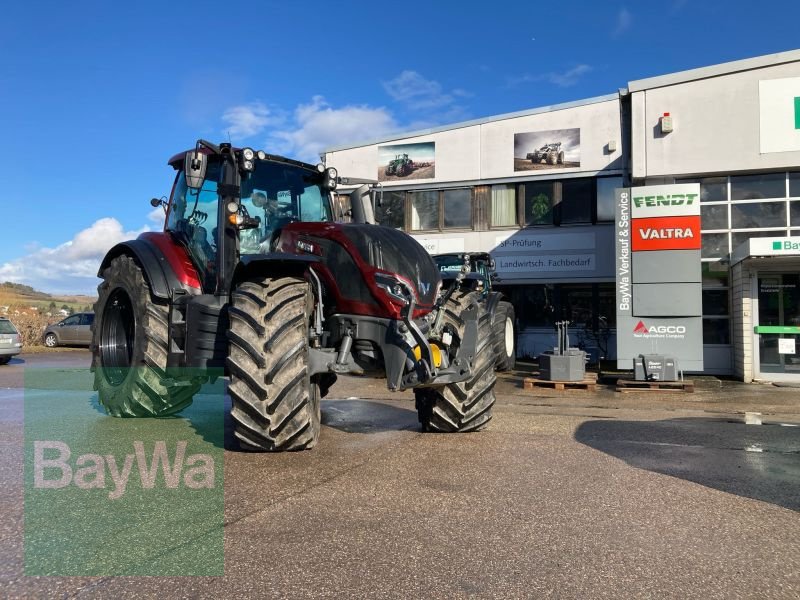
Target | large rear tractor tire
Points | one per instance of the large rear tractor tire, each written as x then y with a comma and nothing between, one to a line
276,406
465,406
130,337
504,336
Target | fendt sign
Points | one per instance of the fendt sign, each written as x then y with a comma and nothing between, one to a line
659,307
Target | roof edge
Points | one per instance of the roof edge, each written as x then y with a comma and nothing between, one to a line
745,64
400,135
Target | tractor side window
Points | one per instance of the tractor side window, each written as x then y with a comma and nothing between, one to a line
192,219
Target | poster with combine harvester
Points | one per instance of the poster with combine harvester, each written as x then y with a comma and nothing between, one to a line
401,162
544,150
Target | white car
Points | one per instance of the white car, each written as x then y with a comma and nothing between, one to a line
10,342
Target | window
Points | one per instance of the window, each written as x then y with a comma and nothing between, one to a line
715,302
606,199
87,319
584,304
795,213
73,320
7,327
576,201
716,331
712,189
756,187
504,206
457,208
794,185
715,245
341,208
538,203
714,216
392,211
424,210
758,214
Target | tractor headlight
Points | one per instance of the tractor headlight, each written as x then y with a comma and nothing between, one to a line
261,155
331,172
247,165
233,207
320,167
397,289
248,154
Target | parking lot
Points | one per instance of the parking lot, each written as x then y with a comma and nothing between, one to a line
565,494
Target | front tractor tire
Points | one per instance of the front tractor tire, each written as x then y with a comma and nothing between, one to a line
276,406
504,336
464,406
130,337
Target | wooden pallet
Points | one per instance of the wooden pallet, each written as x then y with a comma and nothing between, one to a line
630,385
589,383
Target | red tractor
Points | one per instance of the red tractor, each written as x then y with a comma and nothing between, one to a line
253,279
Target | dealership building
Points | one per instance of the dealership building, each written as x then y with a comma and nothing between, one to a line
536,188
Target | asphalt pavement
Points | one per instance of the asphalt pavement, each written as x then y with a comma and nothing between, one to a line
566,494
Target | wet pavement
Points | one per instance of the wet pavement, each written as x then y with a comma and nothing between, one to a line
566,494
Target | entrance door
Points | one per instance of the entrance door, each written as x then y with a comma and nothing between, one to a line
778,328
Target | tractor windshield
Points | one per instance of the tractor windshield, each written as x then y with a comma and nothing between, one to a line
278,194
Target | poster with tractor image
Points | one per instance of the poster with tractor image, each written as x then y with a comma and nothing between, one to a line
401,162
545,150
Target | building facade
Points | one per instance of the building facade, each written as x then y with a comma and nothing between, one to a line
536,189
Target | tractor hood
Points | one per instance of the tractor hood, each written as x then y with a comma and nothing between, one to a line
354,254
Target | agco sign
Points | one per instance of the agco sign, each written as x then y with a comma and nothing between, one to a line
671,331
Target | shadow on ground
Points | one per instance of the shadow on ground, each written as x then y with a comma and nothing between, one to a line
367,416
759,462
349,416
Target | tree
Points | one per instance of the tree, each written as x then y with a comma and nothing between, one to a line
66,308
52,307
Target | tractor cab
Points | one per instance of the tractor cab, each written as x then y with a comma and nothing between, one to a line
268,193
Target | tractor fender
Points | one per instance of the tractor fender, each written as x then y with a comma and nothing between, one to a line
492,300
272,264
158,269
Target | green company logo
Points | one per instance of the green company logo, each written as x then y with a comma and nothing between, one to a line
785,245
797,112
668,200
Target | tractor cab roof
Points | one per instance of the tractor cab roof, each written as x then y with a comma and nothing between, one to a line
176,162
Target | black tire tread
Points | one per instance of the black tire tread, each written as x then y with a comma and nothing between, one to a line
504,310
465,406
144,392
275,405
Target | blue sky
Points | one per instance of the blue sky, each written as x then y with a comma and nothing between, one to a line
96,96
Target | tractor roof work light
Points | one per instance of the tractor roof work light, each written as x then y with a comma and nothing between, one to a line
248,154
331,176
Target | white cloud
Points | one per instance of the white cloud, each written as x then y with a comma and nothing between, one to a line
156,217
72,266
562,79
318,125
247,120
416,92
624,21
569,77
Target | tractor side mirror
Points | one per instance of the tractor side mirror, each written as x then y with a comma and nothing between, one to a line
194,168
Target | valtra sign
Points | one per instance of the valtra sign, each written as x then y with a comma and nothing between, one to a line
666,233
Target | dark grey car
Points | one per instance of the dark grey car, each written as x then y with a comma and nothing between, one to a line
75,330
10,342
